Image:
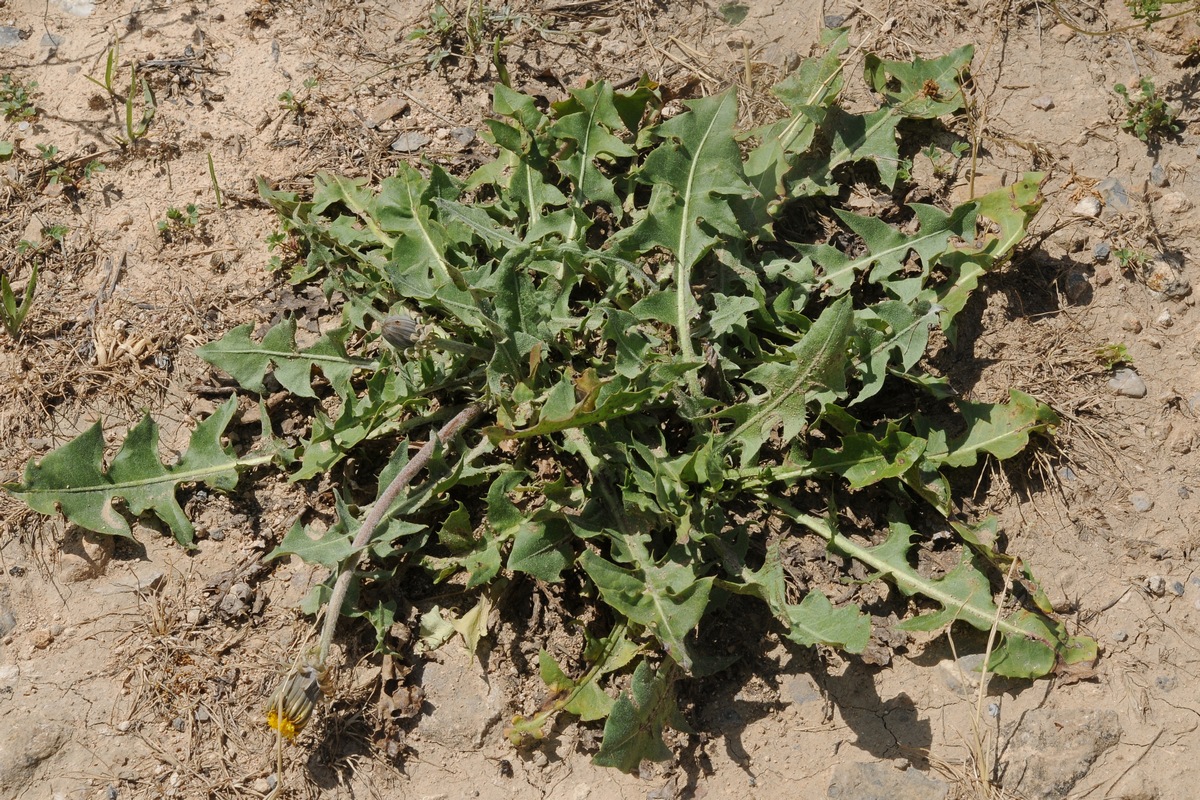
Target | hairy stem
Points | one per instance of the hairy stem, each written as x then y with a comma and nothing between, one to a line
333,611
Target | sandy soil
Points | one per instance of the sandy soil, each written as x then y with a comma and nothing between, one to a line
137,670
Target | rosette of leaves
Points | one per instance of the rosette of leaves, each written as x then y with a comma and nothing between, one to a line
655,345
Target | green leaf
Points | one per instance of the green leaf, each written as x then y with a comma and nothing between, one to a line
473,625
1001,429
248,361
888,248
329,550
733,13
1030,643
585,699
421,242
585,122
73,480
668,599
816,362
920,89
542,549
695,177
864,459
807,92
634,728
865,137
814,620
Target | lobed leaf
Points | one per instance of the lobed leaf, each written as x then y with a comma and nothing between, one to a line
73,480
248,362
633,731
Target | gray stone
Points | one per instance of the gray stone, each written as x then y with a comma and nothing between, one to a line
1102,251
835,20
8,622
1158,175
1116,198
1156,585
463,706
1141,501
464,135
1051,749
882,781
1127,383
1045,102
9,36
24,744
52,40
409,142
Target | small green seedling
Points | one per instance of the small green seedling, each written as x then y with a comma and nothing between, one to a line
60,169
1113,354
1147,115
138,130
110,69
1130,259
179,224
12,314
16,99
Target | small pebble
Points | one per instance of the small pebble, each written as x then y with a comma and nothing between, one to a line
1158,175
1165,276
1141,502
1156,585
1166,683
1087,207
1176,588
1127,383
834,20
42,638
1115,196
993,710
1131,323
202,714
1164,319
123,727
1183,492
540,760
52,40
1045,102
1120,636
217,535
409,142
1102,251
464,135
1066,474
1076,287
1175,203
9,36
178,724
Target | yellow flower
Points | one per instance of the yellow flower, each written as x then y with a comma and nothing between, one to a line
292,704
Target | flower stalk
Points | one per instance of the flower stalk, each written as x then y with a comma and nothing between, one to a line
292,704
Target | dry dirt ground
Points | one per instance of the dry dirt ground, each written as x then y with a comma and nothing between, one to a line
140,670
